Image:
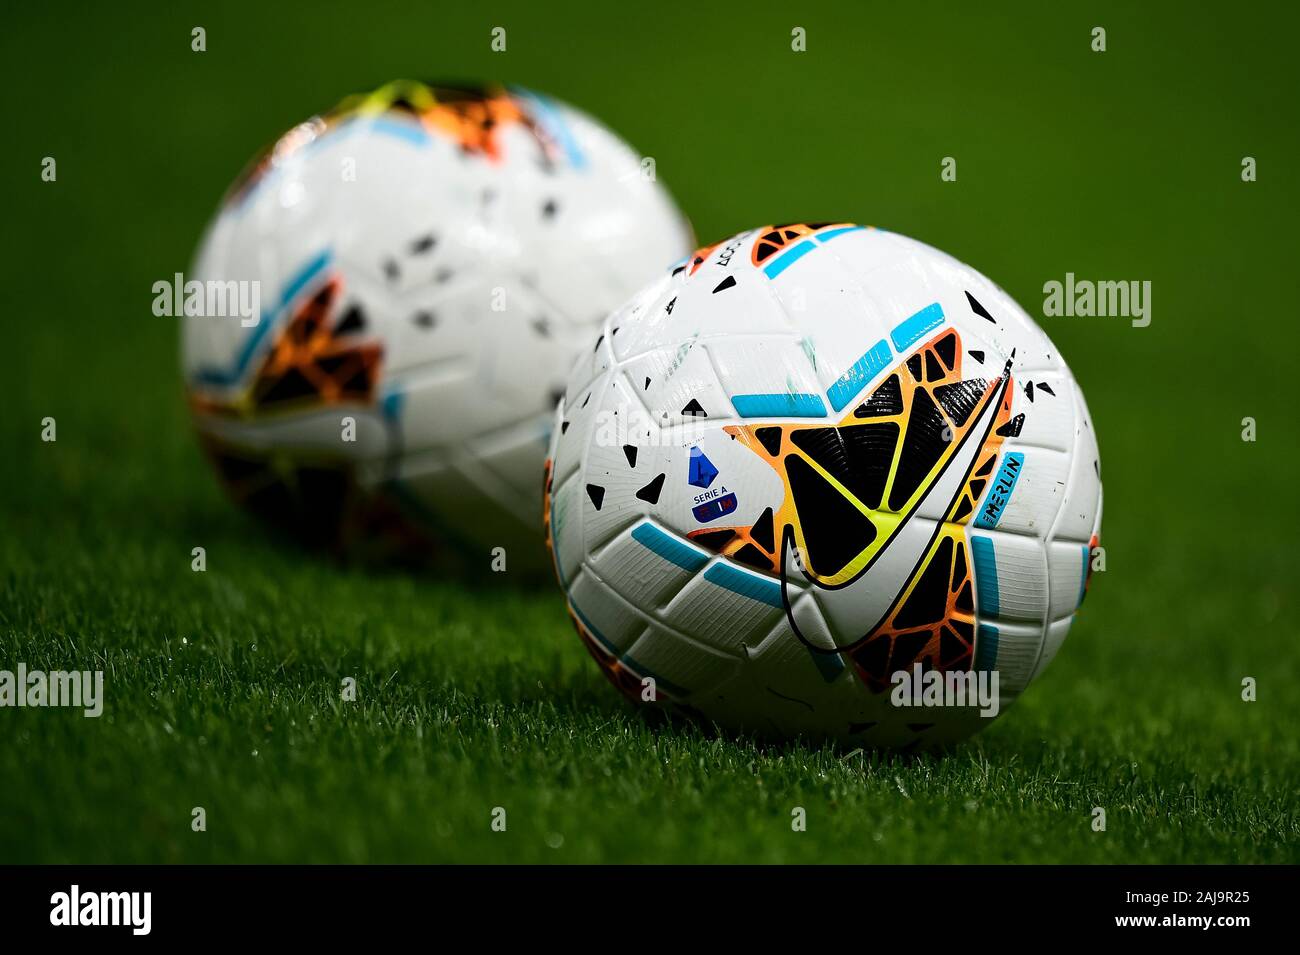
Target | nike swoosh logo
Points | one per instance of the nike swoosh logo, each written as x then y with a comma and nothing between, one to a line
870,596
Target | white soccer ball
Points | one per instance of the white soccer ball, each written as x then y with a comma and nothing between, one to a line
427,262
824,480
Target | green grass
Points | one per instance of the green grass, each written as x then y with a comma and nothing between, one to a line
223,687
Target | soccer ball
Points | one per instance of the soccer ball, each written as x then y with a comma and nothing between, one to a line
824,480
429,262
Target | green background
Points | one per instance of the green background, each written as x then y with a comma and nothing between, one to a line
223,687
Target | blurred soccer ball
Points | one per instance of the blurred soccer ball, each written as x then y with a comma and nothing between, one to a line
428,262
814,458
